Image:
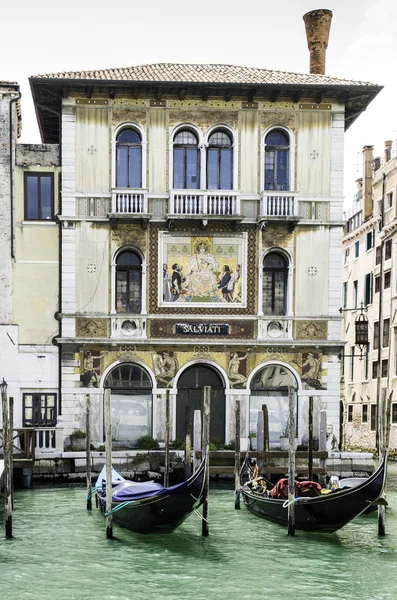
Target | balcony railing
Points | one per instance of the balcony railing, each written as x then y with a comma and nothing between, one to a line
278,204
128,201
274,328
48,439
128,326
198,202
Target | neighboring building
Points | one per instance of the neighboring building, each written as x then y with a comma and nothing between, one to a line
369,281
192,217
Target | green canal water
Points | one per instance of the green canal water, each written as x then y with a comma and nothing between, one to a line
60,552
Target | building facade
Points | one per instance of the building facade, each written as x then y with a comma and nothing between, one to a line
369,286
181,226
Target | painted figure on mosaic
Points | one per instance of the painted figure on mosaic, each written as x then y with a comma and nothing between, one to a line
311,371
235,377
234,285
167,296
165,368
91,368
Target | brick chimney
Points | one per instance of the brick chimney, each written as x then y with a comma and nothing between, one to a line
367,182
318,24
388,146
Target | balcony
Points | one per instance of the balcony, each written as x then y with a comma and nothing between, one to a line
279,205
128,327
274,328
204,205
129,205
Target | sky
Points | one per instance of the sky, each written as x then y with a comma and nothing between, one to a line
44,37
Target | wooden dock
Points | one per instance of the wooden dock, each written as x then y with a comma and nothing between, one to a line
275,462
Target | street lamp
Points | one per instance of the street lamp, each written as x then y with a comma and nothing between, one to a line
3,386
361,332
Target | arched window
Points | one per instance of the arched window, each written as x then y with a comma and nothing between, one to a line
186,161
220,161
277,160
129,159
128,283
274,291
131,404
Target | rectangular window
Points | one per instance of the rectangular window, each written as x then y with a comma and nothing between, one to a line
357,249
368,288
342,363
385,367
377,284
366,362
39,410
376,335
394,412
350,413
345,292
373,417
364,413
389,200
378,255
374,369
352,363
386,332
388,250
387,279
39,196
369,240
347,253
355,294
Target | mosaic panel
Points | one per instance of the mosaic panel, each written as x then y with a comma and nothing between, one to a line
92,328
311,330
209,309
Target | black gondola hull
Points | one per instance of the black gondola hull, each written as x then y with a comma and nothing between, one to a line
162,512
325,513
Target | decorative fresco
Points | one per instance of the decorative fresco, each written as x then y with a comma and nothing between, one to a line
202,269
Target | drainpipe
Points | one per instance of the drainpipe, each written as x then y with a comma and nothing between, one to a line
12,173
380,315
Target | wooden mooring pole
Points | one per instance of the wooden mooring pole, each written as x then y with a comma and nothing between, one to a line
310,465
237,457
88,450
7,450
167,440
188,442
382,426
11,441
291,467
108,448
205,450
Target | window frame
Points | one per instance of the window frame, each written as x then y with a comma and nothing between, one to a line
291,158
373,417
128,269
37,396
185,148
40,175
364,413
368,288
129,146
356,249
387,280
386,333
350,413
369,240
220,150
273,270
388,249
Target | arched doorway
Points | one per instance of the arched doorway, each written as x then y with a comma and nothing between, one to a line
131,403
270,386
191,392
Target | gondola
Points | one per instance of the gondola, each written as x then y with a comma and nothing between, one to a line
321,510
148,507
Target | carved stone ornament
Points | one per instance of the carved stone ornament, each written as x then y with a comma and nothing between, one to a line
92,328
311,330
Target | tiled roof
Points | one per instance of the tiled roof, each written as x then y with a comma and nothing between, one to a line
8,82
210,74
